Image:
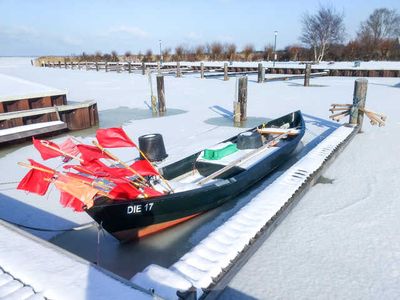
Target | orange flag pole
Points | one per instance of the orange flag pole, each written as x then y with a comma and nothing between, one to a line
62,152
119,161
55,172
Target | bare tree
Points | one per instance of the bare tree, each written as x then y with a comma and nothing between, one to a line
114,56
247,51
230,50
216,50
179,52
199,52
268,52
149,55
166,54
322,29
381,24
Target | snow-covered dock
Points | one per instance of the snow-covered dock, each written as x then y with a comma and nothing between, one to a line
52,273
208,261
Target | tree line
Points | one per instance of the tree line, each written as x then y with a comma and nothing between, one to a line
322,38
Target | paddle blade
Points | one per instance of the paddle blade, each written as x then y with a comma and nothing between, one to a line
113,138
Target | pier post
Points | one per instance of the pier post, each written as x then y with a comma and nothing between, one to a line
236,112
118,67
143,68
59,64
161,93
79,65
178,69
226,72
65,63
106,66
129,67
307,74
86,65
97,66
201,70
158,67
242,97
261,73
359,98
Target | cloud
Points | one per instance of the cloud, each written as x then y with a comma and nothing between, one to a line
194,36
128,30
18,33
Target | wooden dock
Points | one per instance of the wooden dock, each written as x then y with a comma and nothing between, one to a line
135,67
38,110
20,125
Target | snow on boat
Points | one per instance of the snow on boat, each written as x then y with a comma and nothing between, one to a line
203,181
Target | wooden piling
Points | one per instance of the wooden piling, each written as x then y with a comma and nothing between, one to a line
161,93
261,73
242,97
129,67
65,64
143,68
226,72
178,69
307,74
158,67
118,67
359,98
236,112
202,70
106,66
97,66
86,65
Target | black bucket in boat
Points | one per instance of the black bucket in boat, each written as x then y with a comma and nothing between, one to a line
249,140
152,145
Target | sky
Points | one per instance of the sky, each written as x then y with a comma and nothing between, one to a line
61,27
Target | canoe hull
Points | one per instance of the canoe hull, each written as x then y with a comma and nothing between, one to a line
134,219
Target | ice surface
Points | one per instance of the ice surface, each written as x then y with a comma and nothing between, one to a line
340,241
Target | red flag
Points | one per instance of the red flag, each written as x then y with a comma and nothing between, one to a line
68,146
123,189
144,168
151,192
114,138
90,153
36,181
79,177
101,170
68,200
85,193
44,149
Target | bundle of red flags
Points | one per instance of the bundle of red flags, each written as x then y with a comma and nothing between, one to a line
93,177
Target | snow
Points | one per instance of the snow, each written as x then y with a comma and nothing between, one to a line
340,241
32,261
12,88
29,127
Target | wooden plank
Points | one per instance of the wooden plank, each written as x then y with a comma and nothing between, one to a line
34,132
46,110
